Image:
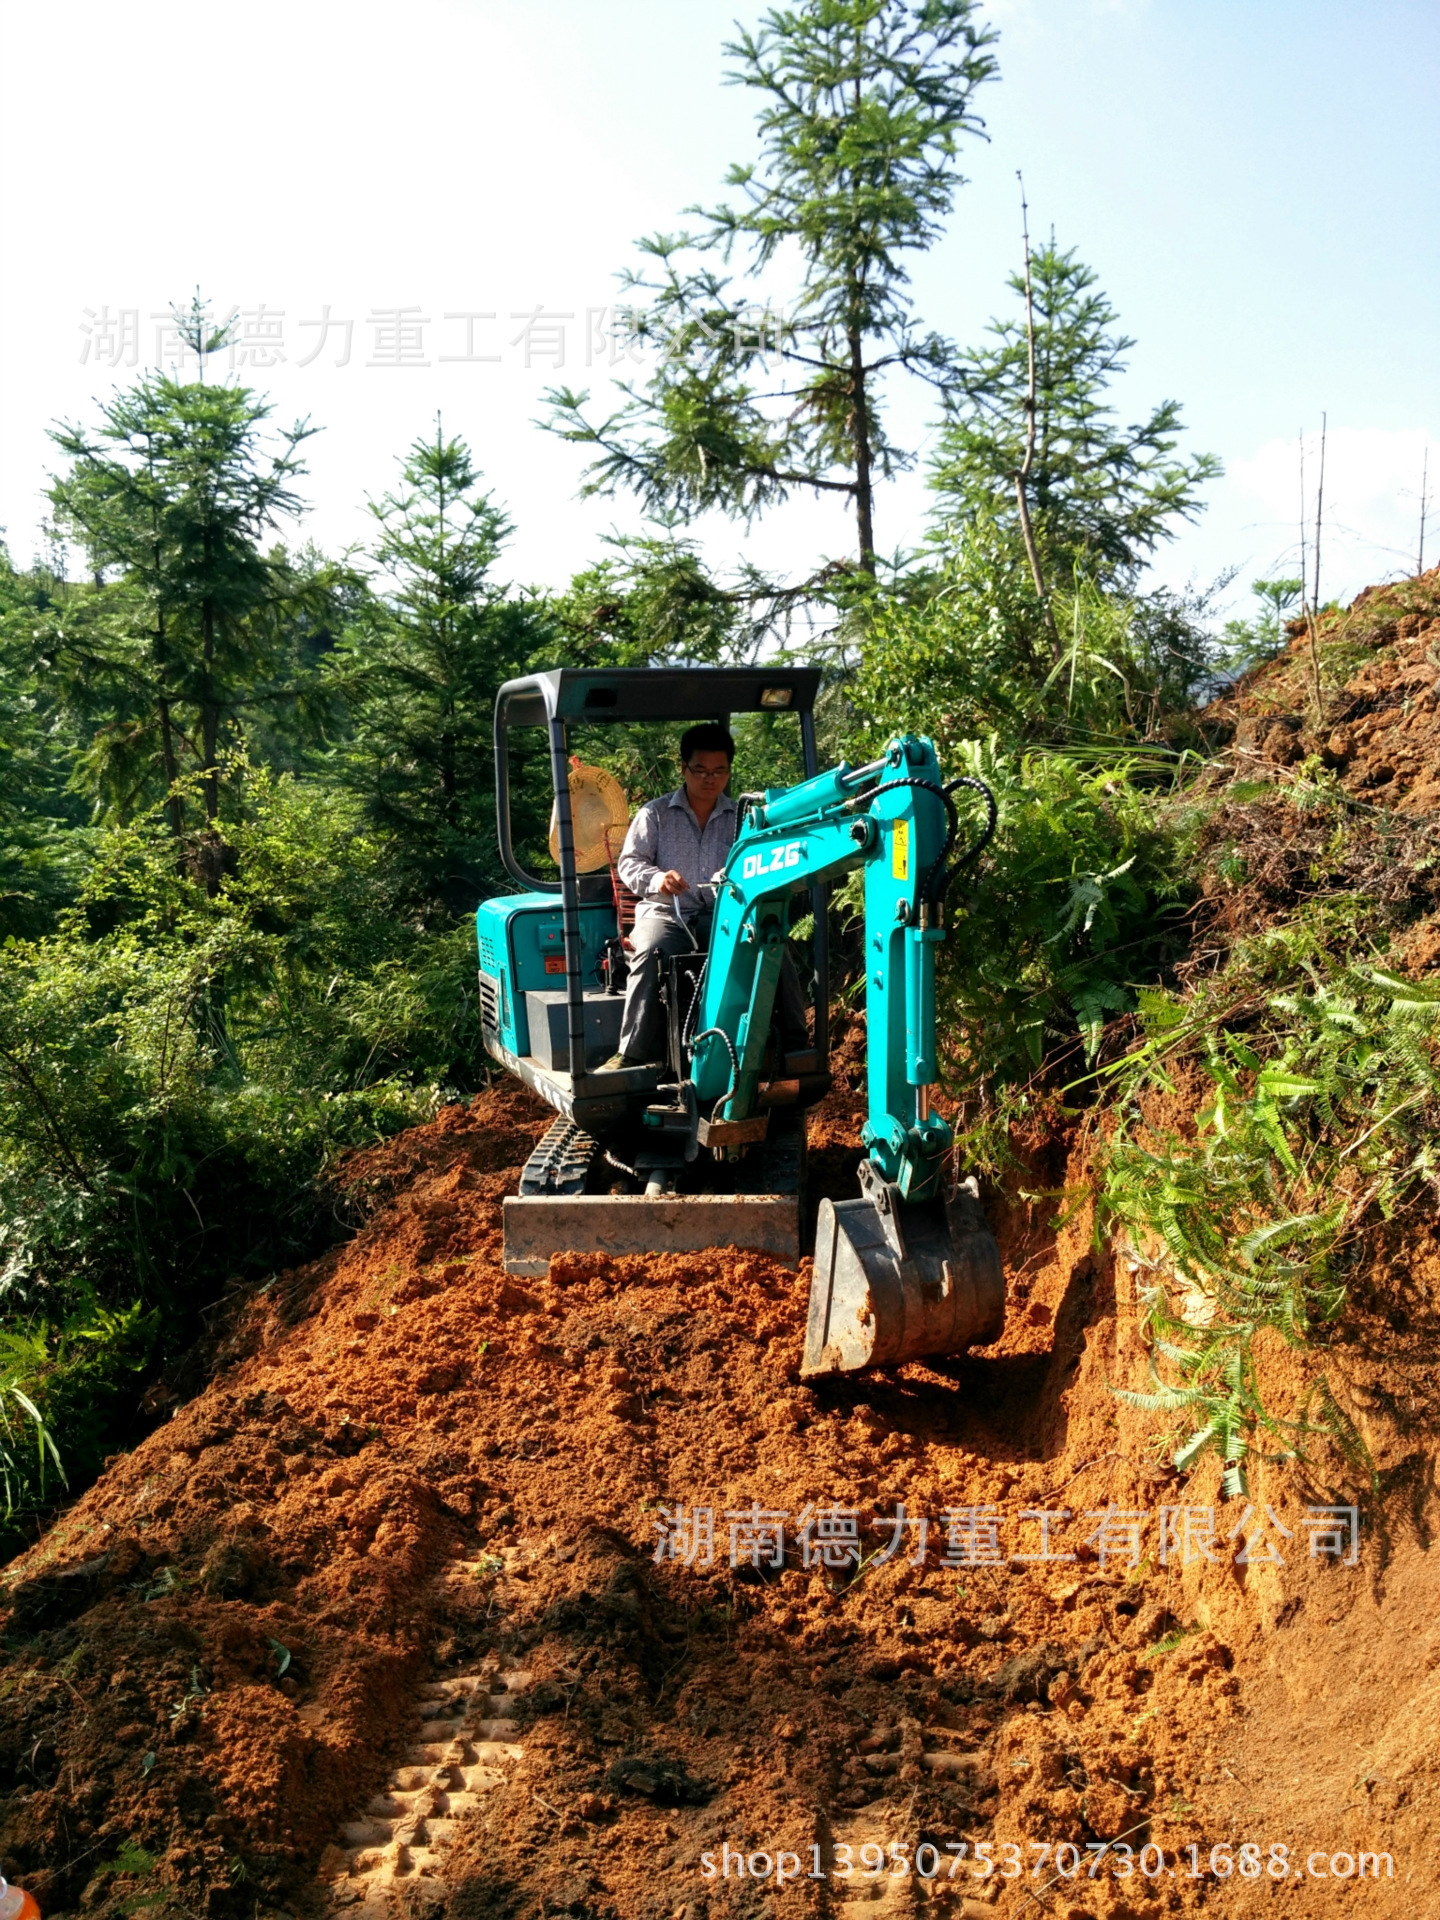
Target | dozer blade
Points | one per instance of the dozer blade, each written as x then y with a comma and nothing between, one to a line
895,1281
536,1228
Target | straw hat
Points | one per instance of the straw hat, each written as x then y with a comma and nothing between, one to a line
599,817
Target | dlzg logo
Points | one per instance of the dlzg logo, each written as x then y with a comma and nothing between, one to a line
754,864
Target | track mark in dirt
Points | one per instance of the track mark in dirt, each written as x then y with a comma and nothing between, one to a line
394,1854
891,1879
896,1886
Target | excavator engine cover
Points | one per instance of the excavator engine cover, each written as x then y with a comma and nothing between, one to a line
895,1281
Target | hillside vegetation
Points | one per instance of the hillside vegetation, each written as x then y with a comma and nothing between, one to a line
413,1483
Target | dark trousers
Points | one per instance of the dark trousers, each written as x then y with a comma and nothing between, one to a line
642,1027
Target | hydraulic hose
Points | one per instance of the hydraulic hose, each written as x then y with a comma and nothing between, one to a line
992,813
937,881
952,823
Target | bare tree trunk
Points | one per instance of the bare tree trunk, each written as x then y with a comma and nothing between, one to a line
1319,513
210,720
174,806
864,458
1305,613
1313,622
1022,478
859,397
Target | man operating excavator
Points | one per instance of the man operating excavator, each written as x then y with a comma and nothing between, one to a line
674,853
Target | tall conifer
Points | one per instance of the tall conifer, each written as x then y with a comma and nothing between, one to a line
1102,495
419,669
865,104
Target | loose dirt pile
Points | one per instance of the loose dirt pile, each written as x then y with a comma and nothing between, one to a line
215,1660
426,1605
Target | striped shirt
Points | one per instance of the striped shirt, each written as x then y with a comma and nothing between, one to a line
665,834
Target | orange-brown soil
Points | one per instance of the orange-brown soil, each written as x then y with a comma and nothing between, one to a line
1378,726
216,1653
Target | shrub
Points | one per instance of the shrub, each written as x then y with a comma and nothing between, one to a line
177,1068
1324,1114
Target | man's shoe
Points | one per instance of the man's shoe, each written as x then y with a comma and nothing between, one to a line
622,1063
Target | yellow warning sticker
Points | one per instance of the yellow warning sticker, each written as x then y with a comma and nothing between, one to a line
900,851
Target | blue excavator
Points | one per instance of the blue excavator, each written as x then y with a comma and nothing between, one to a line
708,1150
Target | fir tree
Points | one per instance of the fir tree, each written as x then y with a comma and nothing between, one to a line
183,633
865,105
39,847
1101,495
419,669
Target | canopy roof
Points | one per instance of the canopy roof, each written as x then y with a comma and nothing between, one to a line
654,693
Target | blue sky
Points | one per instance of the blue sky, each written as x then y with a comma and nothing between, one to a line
1255,185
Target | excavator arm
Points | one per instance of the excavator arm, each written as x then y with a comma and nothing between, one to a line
902,1271
894,820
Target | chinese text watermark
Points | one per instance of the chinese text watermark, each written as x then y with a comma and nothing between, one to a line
832,1536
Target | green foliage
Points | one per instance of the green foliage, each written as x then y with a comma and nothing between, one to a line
182,635
418,668
1324,1113
72,1384
133,1858
41,853
1067,918
27,1449
1250,643
177,1064
650,602
1102,495
1070,916
976,655
865,102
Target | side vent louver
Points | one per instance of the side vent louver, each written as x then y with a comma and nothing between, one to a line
489,1003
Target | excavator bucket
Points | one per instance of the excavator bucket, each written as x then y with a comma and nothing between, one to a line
895,1281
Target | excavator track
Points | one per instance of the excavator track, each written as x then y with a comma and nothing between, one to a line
559,1163
777,1164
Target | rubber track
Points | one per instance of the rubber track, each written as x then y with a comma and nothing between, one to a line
560,1161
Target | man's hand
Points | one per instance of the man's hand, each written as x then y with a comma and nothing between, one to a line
673,882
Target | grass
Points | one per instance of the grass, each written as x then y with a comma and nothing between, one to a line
133,1858
1159,1648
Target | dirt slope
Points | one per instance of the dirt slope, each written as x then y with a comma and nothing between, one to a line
413,1484
1379,724
217,1655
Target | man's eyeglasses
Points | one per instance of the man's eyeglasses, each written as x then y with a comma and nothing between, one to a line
707,773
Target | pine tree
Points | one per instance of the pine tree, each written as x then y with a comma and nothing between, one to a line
865,105
1101,496
182,635
419,669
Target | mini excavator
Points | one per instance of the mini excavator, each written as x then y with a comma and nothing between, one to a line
708,1150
